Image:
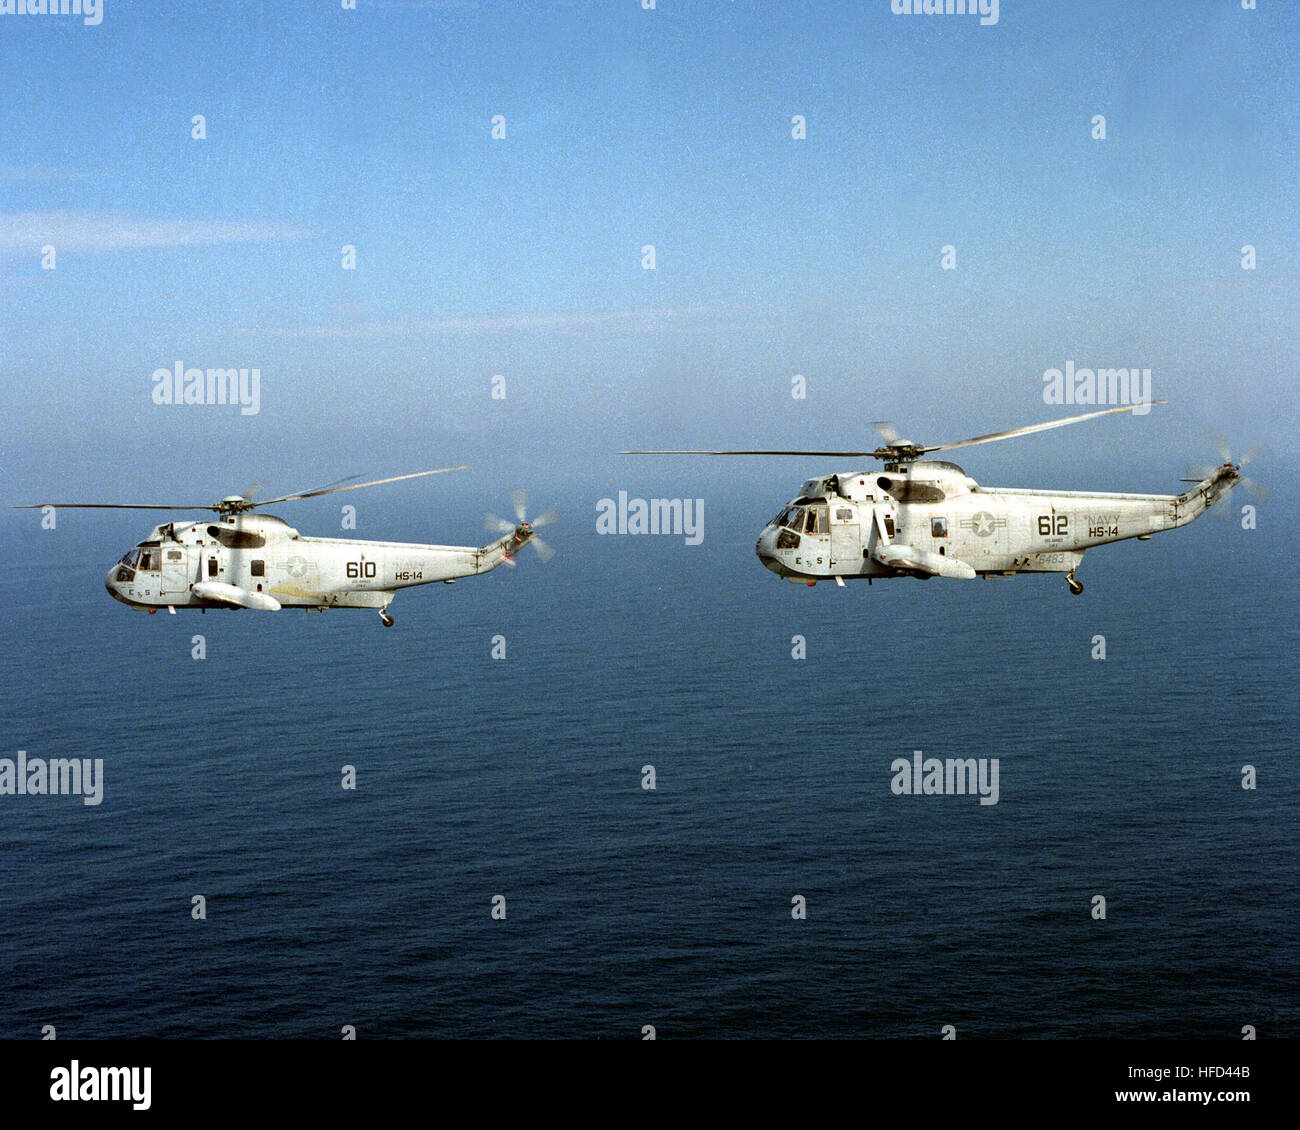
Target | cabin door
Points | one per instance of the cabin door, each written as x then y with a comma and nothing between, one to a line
176,570
846,536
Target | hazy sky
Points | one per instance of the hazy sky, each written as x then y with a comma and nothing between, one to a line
624,127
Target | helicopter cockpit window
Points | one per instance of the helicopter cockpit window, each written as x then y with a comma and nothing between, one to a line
816,522
792,519
128,558
148,562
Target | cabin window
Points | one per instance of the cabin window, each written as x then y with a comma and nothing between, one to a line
842,515
816,521
938,527
889,526
259,569
174,555
212,566
148,561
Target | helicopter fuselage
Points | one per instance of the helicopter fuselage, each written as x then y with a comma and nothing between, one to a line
929,518
260,561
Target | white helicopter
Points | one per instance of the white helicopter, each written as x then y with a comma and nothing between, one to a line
246,560
928,518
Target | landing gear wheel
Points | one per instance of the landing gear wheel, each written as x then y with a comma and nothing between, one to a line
384,618
1076,587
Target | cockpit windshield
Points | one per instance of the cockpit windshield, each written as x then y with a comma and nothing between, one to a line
791,518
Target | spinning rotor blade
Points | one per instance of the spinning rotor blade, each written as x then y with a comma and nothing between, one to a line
887,431
246,497
1037,427
1259,451
525,528
357,486
831,454
336,482
520,500
107,506
899,450
1255,490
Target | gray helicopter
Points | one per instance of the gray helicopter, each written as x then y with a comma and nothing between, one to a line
928,518
247,560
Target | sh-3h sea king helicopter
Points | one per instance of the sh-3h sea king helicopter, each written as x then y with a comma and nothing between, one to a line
246,560
928,518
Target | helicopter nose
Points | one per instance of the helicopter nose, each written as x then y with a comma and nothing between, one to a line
110,583
766,547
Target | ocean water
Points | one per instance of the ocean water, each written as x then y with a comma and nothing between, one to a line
672,907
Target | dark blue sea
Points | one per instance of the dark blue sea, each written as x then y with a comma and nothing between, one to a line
626,907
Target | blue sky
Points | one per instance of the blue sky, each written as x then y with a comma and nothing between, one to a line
627,127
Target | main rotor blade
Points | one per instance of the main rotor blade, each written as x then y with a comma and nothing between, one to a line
336,482
831,454
546,518
108,506
1038,427
887,430
357,486
544,551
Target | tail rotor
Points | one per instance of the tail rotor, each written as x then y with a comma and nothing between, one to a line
525,531
1199,473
